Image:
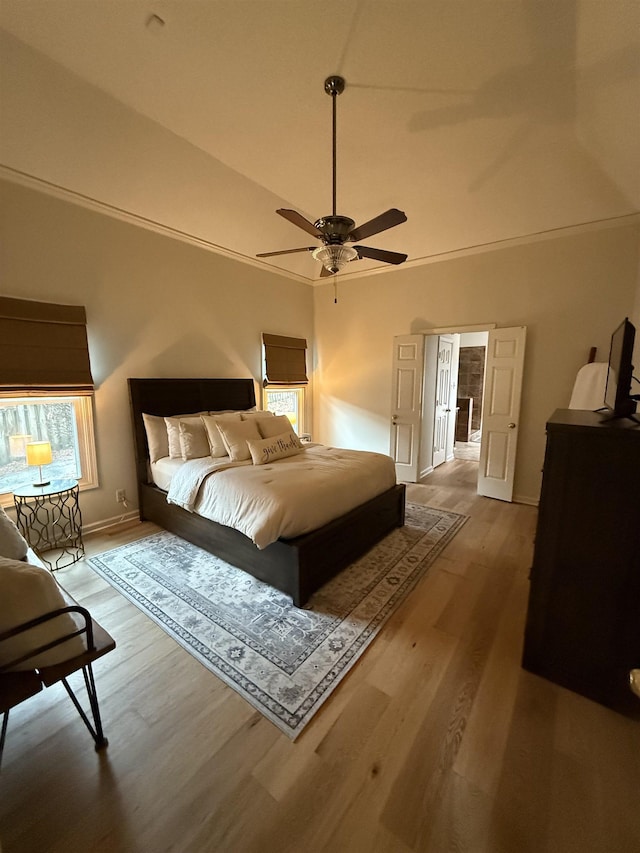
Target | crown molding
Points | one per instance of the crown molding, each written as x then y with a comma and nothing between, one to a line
97,206
621,221
33,182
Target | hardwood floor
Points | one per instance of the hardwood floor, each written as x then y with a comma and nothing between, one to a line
436,741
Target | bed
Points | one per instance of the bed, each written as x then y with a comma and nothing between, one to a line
296,566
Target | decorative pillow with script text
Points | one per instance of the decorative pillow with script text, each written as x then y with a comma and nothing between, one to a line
279,447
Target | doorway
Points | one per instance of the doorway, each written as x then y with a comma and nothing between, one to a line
452,397
470,395
425,417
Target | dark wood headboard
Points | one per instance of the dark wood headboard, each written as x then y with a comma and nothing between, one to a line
178,397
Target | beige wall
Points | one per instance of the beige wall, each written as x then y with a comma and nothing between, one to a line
160,307
570,292
155,307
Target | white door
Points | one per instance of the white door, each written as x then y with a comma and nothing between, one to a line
501,412
406,405
443,396
453,398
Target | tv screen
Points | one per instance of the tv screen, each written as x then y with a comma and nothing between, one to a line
617,395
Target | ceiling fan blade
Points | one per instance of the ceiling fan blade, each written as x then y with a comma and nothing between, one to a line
380,255
388,219
285,252
298,219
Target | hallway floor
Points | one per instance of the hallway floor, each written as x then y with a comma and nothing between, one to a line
467,450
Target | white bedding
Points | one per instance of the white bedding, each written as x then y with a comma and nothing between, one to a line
163,470
282,499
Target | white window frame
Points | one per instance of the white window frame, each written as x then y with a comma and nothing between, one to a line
300,391
83,409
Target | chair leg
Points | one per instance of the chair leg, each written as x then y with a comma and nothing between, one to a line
3,733
96,733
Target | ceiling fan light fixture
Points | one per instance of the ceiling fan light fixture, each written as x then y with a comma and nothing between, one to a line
335,230
334,257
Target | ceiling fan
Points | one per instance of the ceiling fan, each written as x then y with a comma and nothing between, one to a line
334,231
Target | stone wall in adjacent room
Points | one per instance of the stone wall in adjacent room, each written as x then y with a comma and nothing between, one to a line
471,380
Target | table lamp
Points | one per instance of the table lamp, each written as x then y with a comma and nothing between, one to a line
39,453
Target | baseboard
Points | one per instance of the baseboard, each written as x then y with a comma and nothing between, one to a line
106,523
425,472
525,499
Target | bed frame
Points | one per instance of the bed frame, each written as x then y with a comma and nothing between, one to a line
297,566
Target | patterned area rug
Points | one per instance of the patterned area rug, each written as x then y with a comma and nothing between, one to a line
283,660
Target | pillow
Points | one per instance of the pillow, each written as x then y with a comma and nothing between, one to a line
246,415
216,444
12,542
157,441
172,426
270,427
270,449
231,411
193,438
27,592
235,435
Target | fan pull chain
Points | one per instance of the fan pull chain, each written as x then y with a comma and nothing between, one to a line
335,290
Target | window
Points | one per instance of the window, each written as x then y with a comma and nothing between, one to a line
46,392
66,421
285,377
286,401
284,360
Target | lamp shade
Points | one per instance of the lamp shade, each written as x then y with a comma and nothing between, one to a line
38,452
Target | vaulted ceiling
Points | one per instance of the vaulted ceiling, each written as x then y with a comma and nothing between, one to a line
483,120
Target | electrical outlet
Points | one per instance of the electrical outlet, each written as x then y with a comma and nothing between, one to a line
120,496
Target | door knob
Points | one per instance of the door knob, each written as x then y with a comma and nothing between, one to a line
511,426
394,418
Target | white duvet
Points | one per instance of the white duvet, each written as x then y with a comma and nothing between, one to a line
285,498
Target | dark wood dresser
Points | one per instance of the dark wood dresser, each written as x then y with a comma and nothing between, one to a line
583,618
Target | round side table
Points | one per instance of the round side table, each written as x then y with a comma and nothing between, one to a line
49,518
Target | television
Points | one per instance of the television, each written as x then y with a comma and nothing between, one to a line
618,400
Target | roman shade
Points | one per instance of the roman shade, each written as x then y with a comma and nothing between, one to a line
43,346
284,360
